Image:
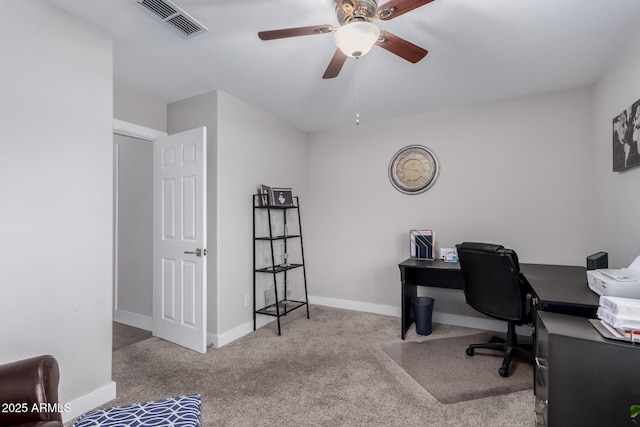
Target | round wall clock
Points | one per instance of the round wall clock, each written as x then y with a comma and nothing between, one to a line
413,169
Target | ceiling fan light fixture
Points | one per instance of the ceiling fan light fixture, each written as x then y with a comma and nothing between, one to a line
356,38
386,13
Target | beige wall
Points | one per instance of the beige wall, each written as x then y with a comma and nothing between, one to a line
56,221
517,172
523,172
618,201
139,109
254,148
247,147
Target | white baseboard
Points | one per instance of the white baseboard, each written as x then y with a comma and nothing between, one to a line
146,322
387,310
134,319
238,332
89,402
484,323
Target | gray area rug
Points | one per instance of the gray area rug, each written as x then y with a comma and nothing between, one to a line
329,370
442,367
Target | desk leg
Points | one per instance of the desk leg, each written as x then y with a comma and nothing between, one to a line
408,291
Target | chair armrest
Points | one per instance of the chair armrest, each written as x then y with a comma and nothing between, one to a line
28,384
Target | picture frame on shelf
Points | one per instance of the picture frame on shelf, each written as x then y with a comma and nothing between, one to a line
265,195
281,197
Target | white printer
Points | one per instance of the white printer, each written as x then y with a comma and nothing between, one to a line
623,282
616,283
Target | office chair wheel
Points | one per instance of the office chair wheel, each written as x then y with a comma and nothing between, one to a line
504,371
469,351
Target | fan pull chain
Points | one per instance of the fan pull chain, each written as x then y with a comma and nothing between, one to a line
357,93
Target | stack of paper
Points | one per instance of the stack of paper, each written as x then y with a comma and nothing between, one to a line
635,265
621,316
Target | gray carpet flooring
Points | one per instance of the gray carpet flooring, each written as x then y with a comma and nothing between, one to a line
326,371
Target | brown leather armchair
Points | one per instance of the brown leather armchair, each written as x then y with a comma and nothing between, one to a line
29,393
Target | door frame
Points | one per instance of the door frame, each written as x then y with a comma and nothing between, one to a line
123,128
120,127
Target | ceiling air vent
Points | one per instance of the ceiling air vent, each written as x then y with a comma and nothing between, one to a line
176,18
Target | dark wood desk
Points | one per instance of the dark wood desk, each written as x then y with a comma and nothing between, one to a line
581,378
558,288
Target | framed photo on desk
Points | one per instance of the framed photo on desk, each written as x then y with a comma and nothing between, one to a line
422,244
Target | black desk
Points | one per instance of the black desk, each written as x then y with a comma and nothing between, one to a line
581,378
558,288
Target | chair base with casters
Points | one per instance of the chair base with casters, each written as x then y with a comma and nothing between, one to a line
510,346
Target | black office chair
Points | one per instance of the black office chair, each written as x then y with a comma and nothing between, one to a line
494,286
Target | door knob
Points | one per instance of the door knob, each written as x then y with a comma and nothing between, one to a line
198,252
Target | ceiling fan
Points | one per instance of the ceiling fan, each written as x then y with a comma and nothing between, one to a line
357,34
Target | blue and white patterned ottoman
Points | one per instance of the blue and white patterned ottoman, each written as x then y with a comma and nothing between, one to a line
180,411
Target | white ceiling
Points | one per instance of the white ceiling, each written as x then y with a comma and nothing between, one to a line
479,51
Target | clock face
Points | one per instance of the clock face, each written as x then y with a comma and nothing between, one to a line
413,169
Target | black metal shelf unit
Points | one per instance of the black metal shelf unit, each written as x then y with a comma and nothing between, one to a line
289,242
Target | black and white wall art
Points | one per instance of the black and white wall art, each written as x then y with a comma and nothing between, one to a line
626,138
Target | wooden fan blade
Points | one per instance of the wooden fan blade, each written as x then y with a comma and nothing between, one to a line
335,65
395,8
401,47
295,32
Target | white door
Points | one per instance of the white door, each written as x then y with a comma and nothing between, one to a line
179,239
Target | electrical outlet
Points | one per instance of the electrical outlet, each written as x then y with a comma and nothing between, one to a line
247,300
446,253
